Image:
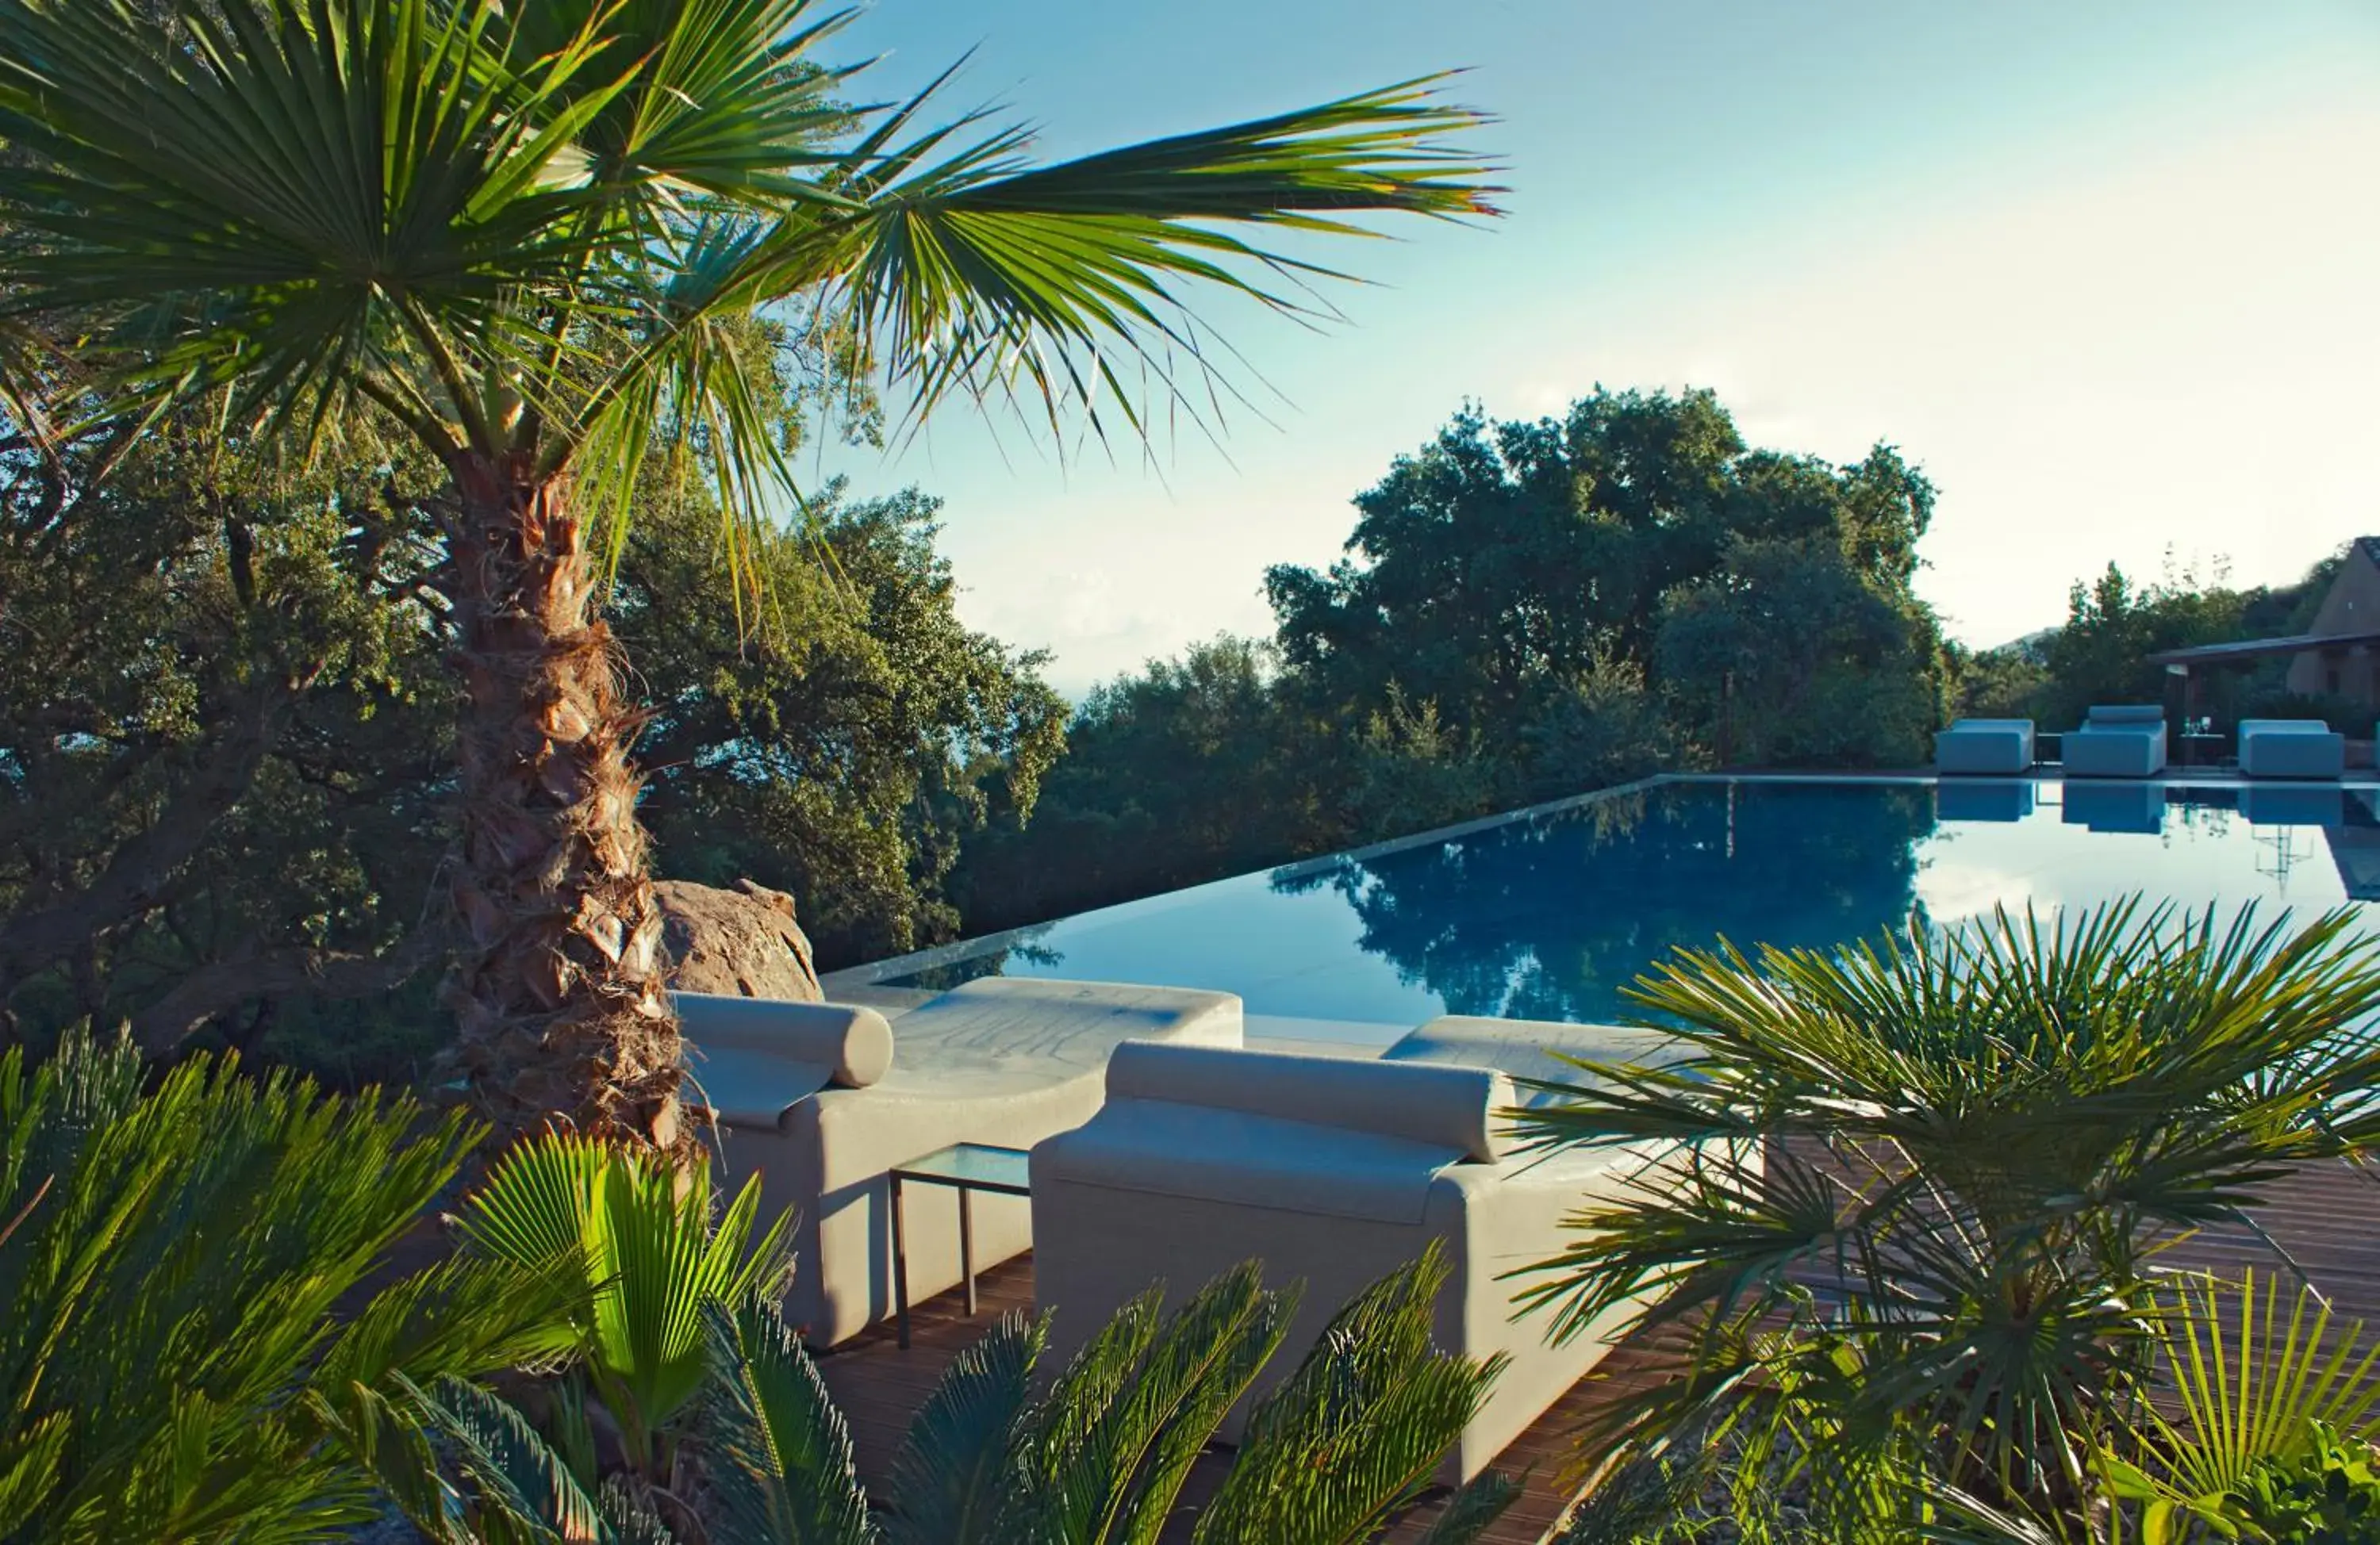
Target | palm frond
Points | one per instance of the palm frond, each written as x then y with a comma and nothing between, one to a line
180,1367
978,274
1357,1431
1129,1414
642,1231
300,198
954,1480
783,1471
520,1486
2251,1370
1935,1167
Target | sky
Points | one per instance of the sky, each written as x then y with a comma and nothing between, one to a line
2107,272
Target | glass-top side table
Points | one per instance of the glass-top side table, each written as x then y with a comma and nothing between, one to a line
966,1167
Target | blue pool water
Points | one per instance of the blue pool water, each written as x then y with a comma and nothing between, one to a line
1548,914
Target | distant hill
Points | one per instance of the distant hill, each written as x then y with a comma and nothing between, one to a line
2033,646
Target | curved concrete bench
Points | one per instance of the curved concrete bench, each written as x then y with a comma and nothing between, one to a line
1005,1061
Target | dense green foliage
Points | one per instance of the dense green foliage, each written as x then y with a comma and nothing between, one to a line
1931,1173
2264,1423
220,737
2114,622
209,1340
1003,1451
1527,609
224,740
204,1339
841,742
1494,570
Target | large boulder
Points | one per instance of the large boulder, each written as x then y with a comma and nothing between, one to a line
740,942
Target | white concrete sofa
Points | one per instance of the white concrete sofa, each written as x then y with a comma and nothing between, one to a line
822,1100
2122,740
2291,748
1333,1171
1989,747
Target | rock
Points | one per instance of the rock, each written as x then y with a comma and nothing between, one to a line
742,942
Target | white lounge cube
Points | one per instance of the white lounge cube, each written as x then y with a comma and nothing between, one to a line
2123,740
2291,748
1989,747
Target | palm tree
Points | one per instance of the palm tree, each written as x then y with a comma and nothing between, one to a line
535,240
1928,1177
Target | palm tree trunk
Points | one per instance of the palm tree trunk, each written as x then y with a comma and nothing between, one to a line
563,1020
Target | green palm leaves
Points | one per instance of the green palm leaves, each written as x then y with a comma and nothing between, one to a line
1100,1458
640,1236
2250,1383
516,228
1929,1174
171,1366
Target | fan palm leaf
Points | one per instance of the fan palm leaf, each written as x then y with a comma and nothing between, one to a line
2245,1374
1949,1158
641,1235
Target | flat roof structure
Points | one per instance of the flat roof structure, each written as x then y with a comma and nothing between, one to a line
2259,648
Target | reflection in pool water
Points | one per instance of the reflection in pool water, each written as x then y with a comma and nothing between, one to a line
1549,915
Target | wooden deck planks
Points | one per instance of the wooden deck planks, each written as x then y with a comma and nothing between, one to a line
2327,1219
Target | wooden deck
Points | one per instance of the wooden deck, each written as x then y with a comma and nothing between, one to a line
2328,1220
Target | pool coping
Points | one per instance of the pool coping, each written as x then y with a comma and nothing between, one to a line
875,972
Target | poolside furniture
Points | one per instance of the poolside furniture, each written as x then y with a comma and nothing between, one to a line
2126,806
1334,1171
1984,746
1982,799
2291,748
822,1100
2124,740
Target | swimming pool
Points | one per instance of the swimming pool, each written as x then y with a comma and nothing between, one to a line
1547,913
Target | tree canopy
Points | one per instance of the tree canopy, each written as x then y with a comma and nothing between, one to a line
226,754
1526,609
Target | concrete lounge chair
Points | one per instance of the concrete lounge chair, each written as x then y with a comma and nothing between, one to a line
822,1100
2291,748
2124,740
1992,747
1334,1172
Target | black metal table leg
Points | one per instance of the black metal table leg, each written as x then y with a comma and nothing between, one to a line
900,1267
966,1246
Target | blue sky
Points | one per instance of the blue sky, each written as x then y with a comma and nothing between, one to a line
2107,271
